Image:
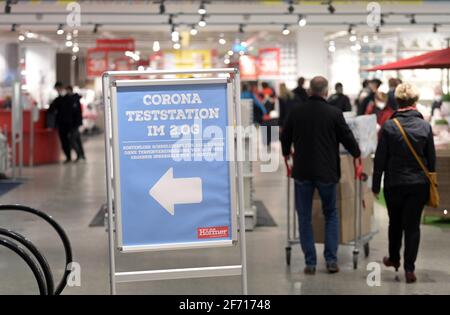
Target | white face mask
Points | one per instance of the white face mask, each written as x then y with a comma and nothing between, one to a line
381,105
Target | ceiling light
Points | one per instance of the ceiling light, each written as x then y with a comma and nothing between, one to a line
226,61
8,7
75,32
60,30
30,35
230,53
291,7
331,48
69,43
202,9
301,21
202,22
69,36
193,31
162,7
350,29
75,49
21,37
330,8
175,33
365,39
353,38
176,46
285,30
222,41
156,46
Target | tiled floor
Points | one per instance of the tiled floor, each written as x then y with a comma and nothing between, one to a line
72,194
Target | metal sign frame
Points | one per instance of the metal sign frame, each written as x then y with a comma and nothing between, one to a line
111,80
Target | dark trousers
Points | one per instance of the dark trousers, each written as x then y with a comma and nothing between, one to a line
76,143
70,139
65,138
405,205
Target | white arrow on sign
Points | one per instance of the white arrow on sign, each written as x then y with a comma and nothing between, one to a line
169,191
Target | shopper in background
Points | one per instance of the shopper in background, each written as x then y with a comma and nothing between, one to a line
339,99
363,93
391,103
437,102
300,93
286,101
268,99
75,136
62,107
259,111
406,186
368,105
315,129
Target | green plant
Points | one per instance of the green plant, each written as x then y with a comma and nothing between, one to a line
446,97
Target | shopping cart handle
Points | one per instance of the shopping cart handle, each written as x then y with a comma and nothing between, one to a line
358,168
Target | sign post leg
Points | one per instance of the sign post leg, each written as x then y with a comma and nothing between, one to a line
241,202
108,160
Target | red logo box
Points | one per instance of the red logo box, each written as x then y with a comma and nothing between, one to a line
212,232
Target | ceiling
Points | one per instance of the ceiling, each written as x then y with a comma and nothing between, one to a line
261,21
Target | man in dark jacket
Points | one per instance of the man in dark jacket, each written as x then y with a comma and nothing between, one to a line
315,129
300,93
339,99
62,105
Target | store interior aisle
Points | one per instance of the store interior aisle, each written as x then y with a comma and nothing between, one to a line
73,194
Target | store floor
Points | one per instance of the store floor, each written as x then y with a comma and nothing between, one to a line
72,194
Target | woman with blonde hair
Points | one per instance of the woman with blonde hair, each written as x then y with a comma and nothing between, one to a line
406,186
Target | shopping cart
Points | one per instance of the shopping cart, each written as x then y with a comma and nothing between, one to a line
360,241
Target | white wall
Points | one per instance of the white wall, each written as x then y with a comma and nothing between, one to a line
40,60
311,53
344,68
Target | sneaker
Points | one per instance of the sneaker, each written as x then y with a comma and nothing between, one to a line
332,267
310,270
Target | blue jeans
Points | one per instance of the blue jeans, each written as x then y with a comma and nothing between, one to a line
304,191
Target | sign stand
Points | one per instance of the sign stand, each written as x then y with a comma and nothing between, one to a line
207,193
17,130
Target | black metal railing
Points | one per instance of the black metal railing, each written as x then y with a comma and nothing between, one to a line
38,265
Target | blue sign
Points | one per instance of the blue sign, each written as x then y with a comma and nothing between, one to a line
172,148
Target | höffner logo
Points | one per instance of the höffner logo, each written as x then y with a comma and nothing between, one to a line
172,99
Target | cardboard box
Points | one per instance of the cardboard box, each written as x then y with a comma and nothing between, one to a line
346,204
